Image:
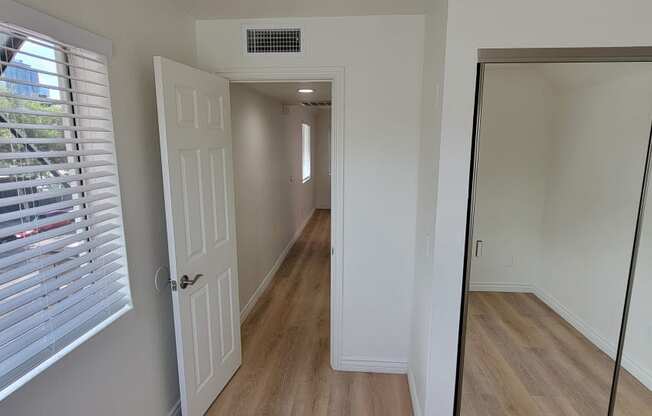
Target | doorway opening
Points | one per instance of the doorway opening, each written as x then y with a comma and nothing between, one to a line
281,159
281,133
553,313
334,76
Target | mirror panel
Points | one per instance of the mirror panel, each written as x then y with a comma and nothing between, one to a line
561,153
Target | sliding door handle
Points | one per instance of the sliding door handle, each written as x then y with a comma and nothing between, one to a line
185,281
479,245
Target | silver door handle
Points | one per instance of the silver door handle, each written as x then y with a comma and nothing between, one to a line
185,281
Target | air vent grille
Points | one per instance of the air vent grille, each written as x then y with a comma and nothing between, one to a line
273,40
316,103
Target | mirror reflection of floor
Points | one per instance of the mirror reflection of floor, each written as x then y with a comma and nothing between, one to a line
524,359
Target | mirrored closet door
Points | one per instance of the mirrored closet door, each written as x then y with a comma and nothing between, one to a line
560,161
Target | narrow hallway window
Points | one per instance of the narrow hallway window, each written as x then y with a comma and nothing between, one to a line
305,152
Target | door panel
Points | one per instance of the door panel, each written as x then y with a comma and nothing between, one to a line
196,157
219,196
201,336
228,323
186,106
193,214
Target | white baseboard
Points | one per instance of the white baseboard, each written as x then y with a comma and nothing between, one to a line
367,365
501,287
268,277
416,405
608,347
176,409
637,371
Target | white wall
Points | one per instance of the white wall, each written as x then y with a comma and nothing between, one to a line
210,9
322,168
382,113
512,173
271,201
431,107
130,367
474,24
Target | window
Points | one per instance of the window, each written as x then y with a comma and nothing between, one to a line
63,266
306,168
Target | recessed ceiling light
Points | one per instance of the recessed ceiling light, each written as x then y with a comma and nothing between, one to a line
305,90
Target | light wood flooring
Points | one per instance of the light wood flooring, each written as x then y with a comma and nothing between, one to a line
523,359
285,344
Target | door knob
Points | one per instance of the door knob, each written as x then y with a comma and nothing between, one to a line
185,281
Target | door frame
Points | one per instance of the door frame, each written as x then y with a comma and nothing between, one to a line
545,55
335,75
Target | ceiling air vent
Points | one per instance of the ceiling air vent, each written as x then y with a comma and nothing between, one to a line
278,40
316,103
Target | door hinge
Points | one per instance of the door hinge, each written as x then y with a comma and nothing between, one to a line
332,251
173,285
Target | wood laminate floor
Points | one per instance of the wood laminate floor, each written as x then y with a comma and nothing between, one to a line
523,359
285,345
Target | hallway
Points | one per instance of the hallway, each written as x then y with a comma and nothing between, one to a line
285,348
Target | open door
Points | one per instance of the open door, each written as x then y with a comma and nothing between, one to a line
196,157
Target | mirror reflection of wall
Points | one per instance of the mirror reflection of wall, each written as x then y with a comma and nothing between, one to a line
561,160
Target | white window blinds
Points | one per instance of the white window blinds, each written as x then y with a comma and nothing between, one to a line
63,269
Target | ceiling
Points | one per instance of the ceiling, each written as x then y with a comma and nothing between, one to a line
229,9
286,92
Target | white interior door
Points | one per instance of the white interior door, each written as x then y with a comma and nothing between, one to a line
196,155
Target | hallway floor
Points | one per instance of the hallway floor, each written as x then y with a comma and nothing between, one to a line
285,346
524,359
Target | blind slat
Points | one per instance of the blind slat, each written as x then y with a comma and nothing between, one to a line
29,282
52,127
39,196
62,338
58,61
28,112
45,72
55,219
65,254
20,184
51,100
50,43
51,87
57,244
51,140
53,167
15,353
41,315
25,214
51,154
20,305
20,308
